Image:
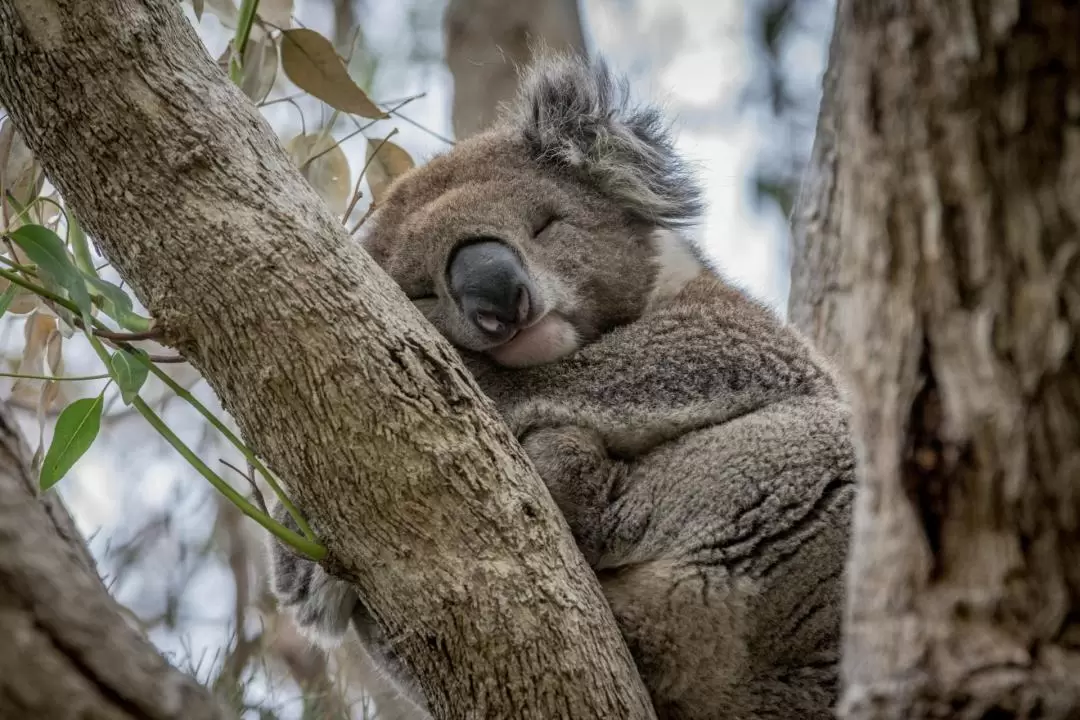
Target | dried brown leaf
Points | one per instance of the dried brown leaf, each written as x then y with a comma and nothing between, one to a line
309,60
197,6
389,163
260,64
24,300
328,173
36,332
54,356
50,390
277,13
20,173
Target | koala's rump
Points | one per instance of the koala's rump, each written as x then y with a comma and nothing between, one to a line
750,519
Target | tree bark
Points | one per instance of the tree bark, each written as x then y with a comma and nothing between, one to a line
945,256
817,277
67,652
423,498
489,41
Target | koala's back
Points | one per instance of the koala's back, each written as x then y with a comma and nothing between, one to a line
734,539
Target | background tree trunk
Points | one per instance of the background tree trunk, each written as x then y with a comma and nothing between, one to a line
424,499
67,651
944,253
489,41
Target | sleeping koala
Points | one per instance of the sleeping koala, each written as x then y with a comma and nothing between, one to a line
697,446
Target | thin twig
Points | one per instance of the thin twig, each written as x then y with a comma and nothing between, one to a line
360,177
151,334
256,493
359,129
73,378
418,126
367,214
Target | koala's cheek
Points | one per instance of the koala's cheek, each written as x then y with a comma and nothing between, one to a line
547,341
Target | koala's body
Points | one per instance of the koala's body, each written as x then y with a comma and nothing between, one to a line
697,446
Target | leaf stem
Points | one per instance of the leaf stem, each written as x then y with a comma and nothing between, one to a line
305,545
59,379
151,361
248,9
221,427
38,290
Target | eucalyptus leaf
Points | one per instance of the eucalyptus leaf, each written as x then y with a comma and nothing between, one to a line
324,165
129,373
7,297
49,252
311,62
117,304
76,429
387,161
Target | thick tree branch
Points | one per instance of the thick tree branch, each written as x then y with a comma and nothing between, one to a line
426,502
67,650
817,289
941,233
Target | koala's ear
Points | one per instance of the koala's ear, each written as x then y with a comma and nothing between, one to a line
577,115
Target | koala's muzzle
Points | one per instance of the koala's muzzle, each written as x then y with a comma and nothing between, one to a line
492,288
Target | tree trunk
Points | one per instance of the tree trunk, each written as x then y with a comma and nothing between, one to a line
423,498
489,41
945,251
67,652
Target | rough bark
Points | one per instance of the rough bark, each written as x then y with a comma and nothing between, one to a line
67,651
817,281
489,41
424,499
947,267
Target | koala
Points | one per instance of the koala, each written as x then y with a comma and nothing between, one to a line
697,446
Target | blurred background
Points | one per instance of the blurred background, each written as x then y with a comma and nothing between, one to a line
741,83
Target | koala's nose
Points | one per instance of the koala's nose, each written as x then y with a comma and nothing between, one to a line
492,286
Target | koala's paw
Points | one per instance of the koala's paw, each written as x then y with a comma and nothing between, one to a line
321,604
574,464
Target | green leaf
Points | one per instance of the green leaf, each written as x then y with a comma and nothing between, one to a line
76,429
49,252
129,373
117,304
7,297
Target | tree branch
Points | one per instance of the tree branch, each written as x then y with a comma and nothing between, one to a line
68,652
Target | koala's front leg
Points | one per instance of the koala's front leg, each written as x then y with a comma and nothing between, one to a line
580,475
321,604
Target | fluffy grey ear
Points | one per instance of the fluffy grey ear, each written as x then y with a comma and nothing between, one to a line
577,115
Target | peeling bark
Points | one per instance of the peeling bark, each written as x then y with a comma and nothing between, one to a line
944,258
67,651
425,501
489,41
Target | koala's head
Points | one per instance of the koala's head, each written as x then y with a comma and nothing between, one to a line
558,224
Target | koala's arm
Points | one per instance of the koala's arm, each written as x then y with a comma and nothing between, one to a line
580,475
321,604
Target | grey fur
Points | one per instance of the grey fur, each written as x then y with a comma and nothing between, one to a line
579,116
697,446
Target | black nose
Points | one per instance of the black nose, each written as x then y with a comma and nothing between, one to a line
490,283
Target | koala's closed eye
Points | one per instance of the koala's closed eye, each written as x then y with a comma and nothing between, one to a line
424,303
542,226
